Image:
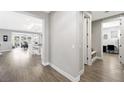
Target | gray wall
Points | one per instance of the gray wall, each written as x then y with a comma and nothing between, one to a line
64,45
5,46
96,37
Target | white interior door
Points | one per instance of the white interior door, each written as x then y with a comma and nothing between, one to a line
87,39
85,42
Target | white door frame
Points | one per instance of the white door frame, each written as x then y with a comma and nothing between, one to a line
43,56
85,34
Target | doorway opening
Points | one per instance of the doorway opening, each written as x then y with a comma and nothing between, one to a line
28,41
111,39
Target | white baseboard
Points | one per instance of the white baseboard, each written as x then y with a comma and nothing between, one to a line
45,63
81,72
67,75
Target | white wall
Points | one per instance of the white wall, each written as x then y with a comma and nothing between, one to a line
97,37
5,46
65,43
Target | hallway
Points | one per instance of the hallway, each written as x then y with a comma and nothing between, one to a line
19,65
108,70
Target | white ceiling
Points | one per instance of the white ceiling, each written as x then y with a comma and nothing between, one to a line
96,15
20,22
